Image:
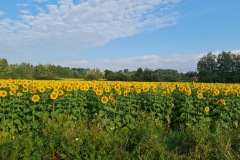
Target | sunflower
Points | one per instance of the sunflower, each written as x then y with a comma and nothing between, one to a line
54,95
221,102
107,89
113,101
145,89
119,92
25,90
99,92
216,92
187,89
76,87
200,92
207,109
163,93
82,88
107,83
128,90
104,99
189,92
60,92
2,84
117,87
25,85
138,90
86,88
32,91
19,94
95,89
12,92
69,88
41,89
35,98
181,88
57,87
154,89
200,95
3,93
110,96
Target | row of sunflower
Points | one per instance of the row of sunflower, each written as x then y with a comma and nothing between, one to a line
25,103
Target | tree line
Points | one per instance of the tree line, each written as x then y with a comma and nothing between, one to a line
50,71
224,68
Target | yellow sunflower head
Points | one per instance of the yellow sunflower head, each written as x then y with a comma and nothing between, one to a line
99,92
104,99
221,102
206,109
54,95
69,88
25,90
154,89
41,89
3,93
200,91
113,101
138,90
107,89
216,92
200,96
111,96
12,92
19,94
119,92
35,98
60,92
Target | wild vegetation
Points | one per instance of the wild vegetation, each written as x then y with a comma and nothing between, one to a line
52,119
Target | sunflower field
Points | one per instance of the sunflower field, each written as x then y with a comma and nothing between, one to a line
56,108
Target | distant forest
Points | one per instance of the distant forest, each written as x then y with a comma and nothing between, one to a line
210,68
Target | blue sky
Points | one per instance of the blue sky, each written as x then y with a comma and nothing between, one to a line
118,34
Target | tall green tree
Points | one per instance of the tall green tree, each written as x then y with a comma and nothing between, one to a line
225,62
149,75
3,68
168,75
207,68
40,71
236,61
138,75
22,71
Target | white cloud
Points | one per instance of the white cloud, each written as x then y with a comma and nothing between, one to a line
181,63
68,27
21,4
24,11
236,51
2,13
40,1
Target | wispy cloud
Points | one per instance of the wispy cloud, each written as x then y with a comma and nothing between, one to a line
68,27
24,11
40,1
2,13
21,4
